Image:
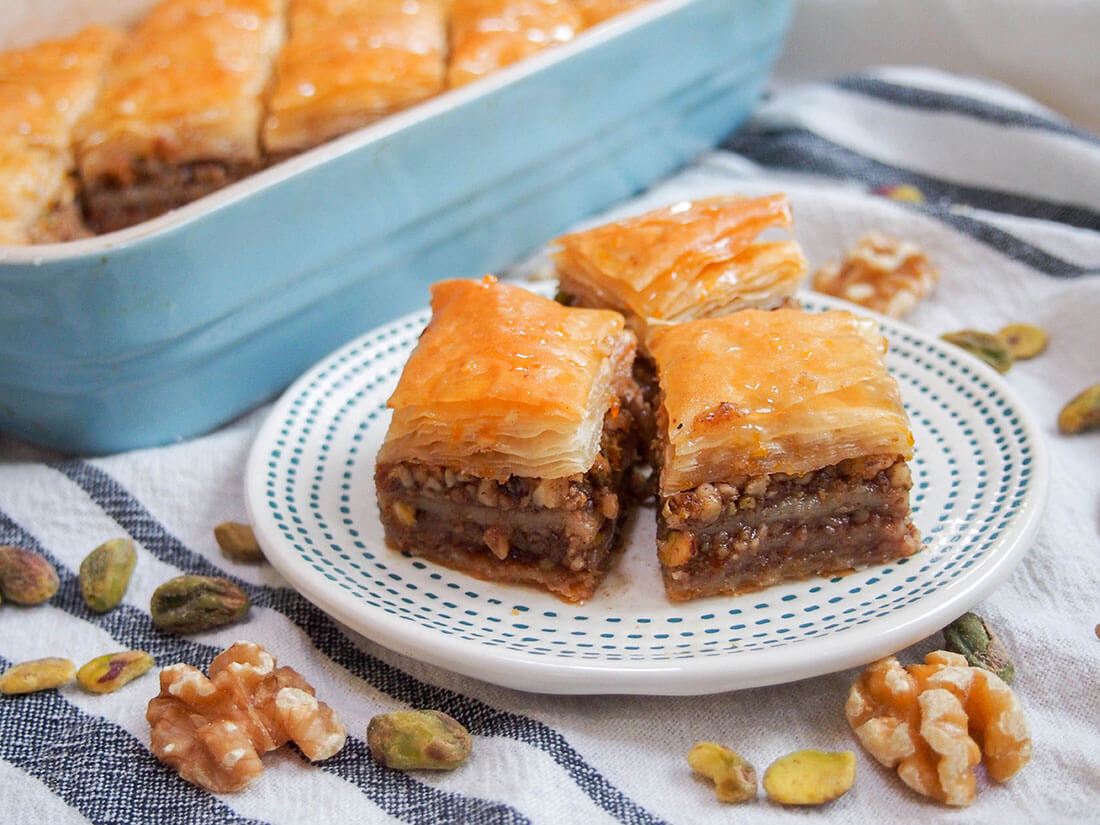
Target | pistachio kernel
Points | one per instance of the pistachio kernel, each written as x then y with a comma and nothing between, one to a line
238,542
971,637
189,604
106,674
983,345
1024,340
1082,413
418,740
105,574
810,777
25,576
40,674
733,776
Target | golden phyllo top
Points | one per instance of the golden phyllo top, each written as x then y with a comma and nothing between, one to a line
487,35
46,88
782,391
694,259
350,62
186,85
505,382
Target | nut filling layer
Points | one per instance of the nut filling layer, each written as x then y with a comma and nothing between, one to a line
155,189
753,532
558,533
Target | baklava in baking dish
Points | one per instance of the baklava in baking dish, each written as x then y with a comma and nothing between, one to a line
180,111
202,93
487,35
512,439
783,450
348,63
44,90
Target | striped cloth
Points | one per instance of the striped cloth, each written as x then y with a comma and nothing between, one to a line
1012,218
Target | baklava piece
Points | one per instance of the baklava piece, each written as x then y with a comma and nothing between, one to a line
511,443
487,35
179,115
783,451
695,259
44,90
348,63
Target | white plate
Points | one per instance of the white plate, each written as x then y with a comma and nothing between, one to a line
980,479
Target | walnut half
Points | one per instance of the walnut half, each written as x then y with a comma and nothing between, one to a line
214,730
935,721
880,273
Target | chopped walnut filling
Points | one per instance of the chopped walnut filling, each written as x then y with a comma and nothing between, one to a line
751,532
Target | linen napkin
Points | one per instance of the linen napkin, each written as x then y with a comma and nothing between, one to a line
1010,216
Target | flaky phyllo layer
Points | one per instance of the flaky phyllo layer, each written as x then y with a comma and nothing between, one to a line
784,391
487,35
691,260
504,382
185,86
350,62
44,90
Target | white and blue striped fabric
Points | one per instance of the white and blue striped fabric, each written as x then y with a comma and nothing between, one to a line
1012,219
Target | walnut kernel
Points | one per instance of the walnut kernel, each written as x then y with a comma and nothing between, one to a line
214,730
880,273
927,720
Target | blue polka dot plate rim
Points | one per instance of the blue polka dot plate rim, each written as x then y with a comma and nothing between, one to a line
980,477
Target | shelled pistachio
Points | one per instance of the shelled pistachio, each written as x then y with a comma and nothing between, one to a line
106,674
733,776
418,740
26,577
39,674
971,637
238,542
986,346
105,574
189,604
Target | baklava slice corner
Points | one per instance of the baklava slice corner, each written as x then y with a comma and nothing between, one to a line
783,450
511,445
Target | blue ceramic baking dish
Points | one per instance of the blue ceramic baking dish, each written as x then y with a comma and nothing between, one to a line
167,329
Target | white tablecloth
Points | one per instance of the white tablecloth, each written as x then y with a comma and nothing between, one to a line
1012,220
1045,48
